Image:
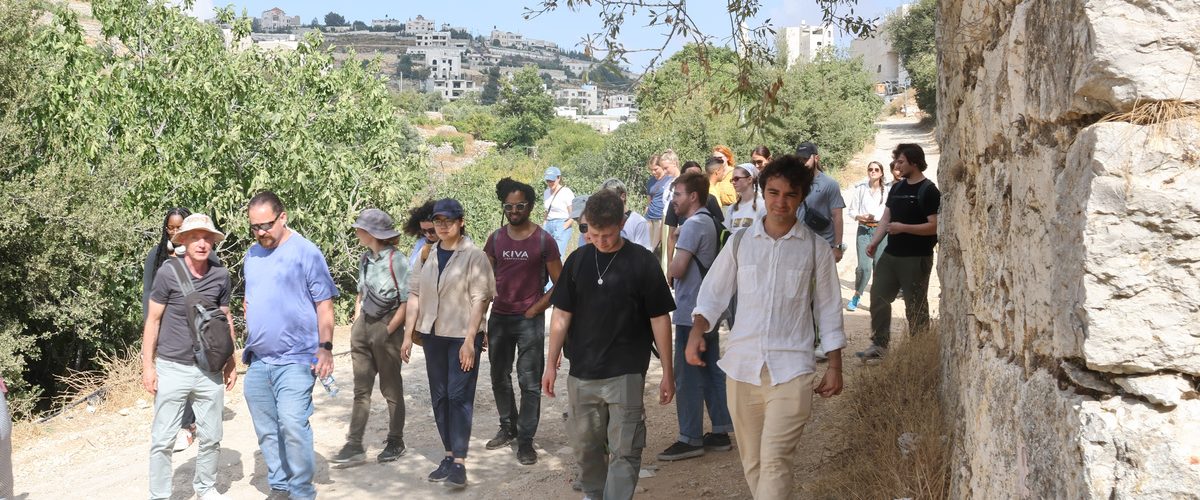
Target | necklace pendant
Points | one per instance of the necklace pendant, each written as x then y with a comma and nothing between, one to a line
600,281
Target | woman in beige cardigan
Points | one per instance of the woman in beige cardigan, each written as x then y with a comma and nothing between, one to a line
450,292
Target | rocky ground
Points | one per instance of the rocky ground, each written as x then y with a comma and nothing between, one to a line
103,455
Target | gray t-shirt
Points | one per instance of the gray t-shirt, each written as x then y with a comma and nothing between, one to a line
824,197
174,336
697,235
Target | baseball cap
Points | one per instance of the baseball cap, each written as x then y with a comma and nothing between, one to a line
553,173
449,208
806,149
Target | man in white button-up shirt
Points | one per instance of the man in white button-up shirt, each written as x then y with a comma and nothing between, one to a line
778,267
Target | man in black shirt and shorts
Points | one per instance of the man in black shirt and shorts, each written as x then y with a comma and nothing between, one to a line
610,304
910,221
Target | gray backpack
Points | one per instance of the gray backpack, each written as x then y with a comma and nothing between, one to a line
207,323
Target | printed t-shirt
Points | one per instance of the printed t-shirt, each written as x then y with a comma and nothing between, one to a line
520,268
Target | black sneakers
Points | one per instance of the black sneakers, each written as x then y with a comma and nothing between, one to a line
351,453
457,477
717,442
680,451
526,455
392,450
503,437
443,470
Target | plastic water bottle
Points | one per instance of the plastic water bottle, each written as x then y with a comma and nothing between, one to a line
329,383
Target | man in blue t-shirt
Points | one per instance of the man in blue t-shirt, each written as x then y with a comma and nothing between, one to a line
289,317
910,223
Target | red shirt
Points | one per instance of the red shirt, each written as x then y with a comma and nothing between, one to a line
520,268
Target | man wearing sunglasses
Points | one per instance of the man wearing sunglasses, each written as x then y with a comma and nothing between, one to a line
524,257
289,316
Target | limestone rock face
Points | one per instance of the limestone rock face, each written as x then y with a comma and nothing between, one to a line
1069,248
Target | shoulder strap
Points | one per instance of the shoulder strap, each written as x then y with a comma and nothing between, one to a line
392,269
921,194
182,276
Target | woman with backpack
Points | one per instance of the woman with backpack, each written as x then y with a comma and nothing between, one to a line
376,336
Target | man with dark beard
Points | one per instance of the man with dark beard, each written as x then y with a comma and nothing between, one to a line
523,257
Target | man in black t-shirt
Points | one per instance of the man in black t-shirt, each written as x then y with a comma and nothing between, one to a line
610,303
910,222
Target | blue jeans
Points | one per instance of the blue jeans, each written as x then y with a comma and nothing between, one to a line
515,337
451,390
280,401
862,273
561,235
697,387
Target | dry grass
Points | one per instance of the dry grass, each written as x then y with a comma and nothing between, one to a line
896,107
1156,113
897,397
116,383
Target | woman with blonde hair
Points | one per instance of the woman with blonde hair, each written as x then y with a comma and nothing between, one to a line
866,206
660,184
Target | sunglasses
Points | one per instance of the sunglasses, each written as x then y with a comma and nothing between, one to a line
719,159
583,227
431,231
740,177
515,207
874,170
264,226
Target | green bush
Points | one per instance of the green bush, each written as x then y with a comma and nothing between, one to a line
457,142
98,141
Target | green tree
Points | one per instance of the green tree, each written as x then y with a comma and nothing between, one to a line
359,26
97,141
334,19
913,37
491,89
314,23
525,109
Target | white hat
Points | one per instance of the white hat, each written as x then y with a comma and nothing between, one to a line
197,222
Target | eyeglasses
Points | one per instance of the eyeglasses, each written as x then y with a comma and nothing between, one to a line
515,207
740,177
264,226
431,231
582,228
443,222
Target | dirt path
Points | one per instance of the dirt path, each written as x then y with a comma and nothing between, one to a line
103,455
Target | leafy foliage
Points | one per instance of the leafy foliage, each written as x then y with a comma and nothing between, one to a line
525,109
913,37
334,19
98,141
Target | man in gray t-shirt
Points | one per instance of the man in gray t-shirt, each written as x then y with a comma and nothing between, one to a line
695,386
169,369
825,200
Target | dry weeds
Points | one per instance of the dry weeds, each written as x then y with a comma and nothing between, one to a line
115,384
898,445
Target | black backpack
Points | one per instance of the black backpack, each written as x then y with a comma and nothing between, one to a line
722,237
207,323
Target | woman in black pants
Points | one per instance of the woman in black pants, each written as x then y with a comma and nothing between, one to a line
451,290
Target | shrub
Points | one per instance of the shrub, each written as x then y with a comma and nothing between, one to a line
457,142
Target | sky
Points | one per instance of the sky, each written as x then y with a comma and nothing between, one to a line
563,27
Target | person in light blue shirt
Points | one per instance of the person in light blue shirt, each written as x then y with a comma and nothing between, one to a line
420,226
289,317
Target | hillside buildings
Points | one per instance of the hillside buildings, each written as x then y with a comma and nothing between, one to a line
800,44
385,23
276,19
418,25
879,57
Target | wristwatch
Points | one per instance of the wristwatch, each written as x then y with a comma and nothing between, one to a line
839,246
328,346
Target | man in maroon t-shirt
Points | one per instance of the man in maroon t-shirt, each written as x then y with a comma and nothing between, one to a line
523,257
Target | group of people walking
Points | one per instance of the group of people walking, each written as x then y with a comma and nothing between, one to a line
753,245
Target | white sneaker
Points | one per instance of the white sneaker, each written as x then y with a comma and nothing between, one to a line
213,494
184,439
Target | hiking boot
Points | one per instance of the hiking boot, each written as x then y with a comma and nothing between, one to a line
392,449
351,453
680,451
503,437
717,441
277,495
853,305
873,352
526,455
457,476
443,470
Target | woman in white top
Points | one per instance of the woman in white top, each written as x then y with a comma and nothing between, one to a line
866,207
557,200
749,206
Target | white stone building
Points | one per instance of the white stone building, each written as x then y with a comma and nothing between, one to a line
418,25
584,97
879,57
507,38
277,19
800,44
616,101
386,22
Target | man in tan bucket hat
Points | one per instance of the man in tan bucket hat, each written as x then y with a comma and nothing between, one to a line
169,368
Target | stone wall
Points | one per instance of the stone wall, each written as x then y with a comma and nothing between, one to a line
1069,247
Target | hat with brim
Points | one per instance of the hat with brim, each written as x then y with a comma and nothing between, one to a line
449,208
577,205
197,222
552,174
377,223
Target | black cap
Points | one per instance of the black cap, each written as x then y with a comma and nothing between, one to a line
448,208
806,150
